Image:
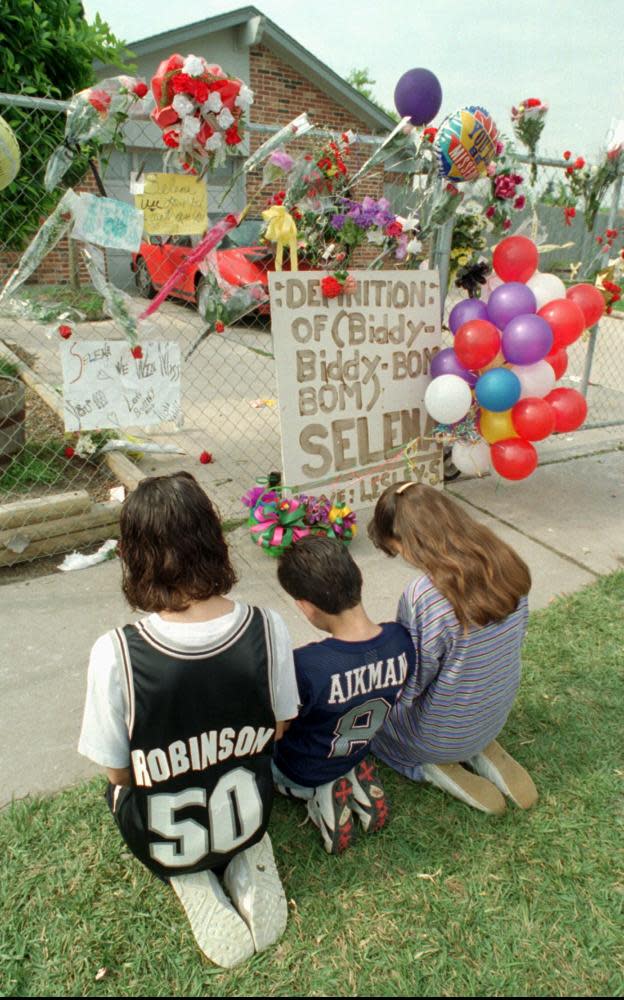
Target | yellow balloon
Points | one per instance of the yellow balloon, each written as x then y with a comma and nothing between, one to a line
9,154
498,362
496,426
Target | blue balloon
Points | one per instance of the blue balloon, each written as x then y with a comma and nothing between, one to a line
498,390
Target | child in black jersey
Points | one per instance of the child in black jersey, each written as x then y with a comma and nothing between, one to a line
347,685
183,709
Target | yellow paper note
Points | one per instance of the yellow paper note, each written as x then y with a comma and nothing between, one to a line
173,205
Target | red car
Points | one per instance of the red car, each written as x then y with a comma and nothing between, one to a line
240,263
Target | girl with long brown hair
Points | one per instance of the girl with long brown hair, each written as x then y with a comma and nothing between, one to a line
467,616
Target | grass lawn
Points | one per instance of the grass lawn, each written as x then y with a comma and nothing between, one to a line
446,902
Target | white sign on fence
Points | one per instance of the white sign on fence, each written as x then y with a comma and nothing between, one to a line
104,386
352,373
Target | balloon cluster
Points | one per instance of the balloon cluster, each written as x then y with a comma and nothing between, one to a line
506,357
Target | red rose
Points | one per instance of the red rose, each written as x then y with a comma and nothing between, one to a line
219,326
490,212
567,154
65,332
331,287
430,133
611,234
532,102
507,224
182,83
171,139
451,189
140,89
232,137
579,163
599,239
206,458
393,229
520,202
69,452
99,100
569,170
137,352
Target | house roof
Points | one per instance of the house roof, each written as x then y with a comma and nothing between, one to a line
256,27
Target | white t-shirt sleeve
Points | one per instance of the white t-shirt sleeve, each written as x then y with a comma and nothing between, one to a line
285,694
104,735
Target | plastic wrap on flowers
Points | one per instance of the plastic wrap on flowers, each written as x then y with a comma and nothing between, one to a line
466,143
277,524
96,113
199,109
120,306
50,233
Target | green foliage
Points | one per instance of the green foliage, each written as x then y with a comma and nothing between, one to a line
360,80
48,50
85,299
39,463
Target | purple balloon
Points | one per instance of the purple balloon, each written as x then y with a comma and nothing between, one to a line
446,362
419,95
527,339
510,300
466,310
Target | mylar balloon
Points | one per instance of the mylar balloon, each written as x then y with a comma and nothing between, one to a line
535,380
496,426
570,409
546,287
419,95
566,320
589,300
498,390
558,361
466,310
533,418
465,144
9,154
527,339
515,258
448,399
514,458
510,300
471,457
477,342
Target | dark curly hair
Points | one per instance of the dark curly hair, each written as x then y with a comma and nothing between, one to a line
171,544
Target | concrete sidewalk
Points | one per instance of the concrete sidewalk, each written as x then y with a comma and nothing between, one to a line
567,522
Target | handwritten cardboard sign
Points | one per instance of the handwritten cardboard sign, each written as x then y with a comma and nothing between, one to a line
107,222
173,205
352,373
105,387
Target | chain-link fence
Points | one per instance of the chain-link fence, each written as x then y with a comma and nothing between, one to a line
230,430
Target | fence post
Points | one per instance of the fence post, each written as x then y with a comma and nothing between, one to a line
442,258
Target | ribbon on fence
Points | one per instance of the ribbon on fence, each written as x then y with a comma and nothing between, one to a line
282,230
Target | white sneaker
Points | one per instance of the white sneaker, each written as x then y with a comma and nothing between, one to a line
330,810
254,885
219,931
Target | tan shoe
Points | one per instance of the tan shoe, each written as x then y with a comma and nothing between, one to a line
507,774
464,785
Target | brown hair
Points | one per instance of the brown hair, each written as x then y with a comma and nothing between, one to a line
171,544
320,570
479,574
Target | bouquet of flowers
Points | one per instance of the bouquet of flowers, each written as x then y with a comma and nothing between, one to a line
505,197
528,121
277,522
199,109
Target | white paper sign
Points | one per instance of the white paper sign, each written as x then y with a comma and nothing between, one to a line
352,373
107,222
105,387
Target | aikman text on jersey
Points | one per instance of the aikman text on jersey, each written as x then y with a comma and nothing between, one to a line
363,680
197,753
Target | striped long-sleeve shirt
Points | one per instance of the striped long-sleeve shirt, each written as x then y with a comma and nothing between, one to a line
462,690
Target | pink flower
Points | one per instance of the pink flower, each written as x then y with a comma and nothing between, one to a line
500,146
520,202
491,170
504,187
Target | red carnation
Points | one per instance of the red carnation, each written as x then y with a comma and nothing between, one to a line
232,137
579,163
331,287
206,458
140,89
567,154
200,91
393,229
219,326
99,100
430,133
69,452
65,332
137,352
182,83
171,139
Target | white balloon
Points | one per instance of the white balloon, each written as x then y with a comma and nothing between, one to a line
448,398
472,457
535,380
546,287
492,282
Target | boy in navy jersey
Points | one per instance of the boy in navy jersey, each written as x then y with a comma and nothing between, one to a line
347,686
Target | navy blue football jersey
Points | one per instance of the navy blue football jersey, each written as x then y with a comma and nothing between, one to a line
347,690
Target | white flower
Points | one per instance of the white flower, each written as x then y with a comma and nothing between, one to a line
245,98
214,103
190,127
375,236
183,105
193,66
225,118
214,143
408,223
85,446
414,246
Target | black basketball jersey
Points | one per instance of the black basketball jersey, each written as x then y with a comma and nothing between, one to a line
201,727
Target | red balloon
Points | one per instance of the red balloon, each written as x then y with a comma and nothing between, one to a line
589,300
515,258
513,458
570,409
533,418
558,361
566,321
477,343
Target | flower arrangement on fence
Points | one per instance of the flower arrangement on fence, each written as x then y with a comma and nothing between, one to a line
199,109
528,121
586,185
276,522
